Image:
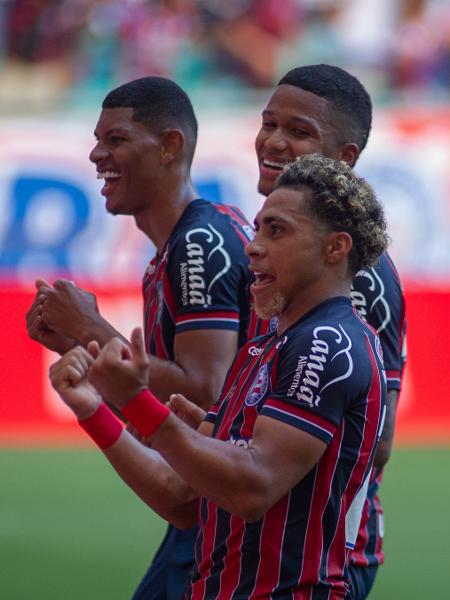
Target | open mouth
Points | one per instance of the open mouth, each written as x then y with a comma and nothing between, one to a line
111,179
262,279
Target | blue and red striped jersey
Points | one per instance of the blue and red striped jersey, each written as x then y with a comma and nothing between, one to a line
378,297
200,279
325,376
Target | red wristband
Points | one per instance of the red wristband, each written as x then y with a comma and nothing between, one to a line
102,427
145,412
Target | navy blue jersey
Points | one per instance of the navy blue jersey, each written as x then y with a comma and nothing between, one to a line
325,376
199,281
378,297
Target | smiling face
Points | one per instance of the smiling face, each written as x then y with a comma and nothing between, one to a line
295,122
127,157
287,255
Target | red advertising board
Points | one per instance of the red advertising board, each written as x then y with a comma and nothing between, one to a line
31,413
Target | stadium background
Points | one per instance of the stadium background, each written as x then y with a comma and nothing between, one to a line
67,528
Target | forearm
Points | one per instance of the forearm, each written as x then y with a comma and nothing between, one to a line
232,477
167,378
153,480
98,329
384,447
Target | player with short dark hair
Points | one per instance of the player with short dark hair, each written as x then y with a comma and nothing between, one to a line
325,109
195,289
281,462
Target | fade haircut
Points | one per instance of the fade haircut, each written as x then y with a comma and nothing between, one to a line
159,104
348,99
343,202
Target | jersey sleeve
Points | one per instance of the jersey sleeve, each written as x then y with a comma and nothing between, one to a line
378,298
318,381
207,269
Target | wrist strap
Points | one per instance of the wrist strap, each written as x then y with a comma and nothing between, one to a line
145,412
102,427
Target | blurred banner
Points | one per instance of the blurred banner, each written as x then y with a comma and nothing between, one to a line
53,223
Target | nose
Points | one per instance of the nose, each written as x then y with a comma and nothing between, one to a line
255,248
98,153
276,140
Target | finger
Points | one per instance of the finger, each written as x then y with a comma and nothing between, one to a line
187,409
138,345
62,284
42,283
93,348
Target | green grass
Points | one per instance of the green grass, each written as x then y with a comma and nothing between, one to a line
69,530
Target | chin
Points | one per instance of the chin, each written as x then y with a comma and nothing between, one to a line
274,308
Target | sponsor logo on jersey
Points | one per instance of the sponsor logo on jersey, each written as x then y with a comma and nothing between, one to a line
302,360
203,244
311,381
373,301
259,387
254,351
240,442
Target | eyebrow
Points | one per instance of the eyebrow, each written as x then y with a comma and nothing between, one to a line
270,219
114,129
268,112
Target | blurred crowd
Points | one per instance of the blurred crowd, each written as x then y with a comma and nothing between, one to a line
63,47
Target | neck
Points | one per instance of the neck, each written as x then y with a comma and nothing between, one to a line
164,211
305,302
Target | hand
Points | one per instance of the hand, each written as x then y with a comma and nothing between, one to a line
187,411
68,310
120,371
38,330
68,376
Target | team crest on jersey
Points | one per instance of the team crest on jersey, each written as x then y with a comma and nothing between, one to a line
369,299
259,387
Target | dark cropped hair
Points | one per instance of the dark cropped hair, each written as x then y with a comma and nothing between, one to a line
343,202
347,97
159,104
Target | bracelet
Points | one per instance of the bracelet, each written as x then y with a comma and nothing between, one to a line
145,412
102,426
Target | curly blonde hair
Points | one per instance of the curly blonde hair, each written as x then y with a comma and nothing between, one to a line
344,202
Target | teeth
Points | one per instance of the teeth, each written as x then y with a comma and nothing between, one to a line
269,163
108,175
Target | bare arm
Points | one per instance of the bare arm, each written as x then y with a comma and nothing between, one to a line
201,357
384,447
245,481
141,468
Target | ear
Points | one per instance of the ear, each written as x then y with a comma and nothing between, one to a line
338,245
172,144
349,153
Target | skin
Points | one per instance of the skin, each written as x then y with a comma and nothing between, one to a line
297,122
182,463
151,182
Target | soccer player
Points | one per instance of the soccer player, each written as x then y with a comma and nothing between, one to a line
195,289
322,108
276,472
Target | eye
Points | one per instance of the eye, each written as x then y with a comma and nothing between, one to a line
268,124
275,229
302,133
116,139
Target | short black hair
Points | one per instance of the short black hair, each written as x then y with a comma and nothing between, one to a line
343,202
348,98
159,103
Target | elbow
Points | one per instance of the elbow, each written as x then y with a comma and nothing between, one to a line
251,507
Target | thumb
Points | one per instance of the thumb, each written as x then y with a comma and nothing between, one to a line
137,344
41,282
93,348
